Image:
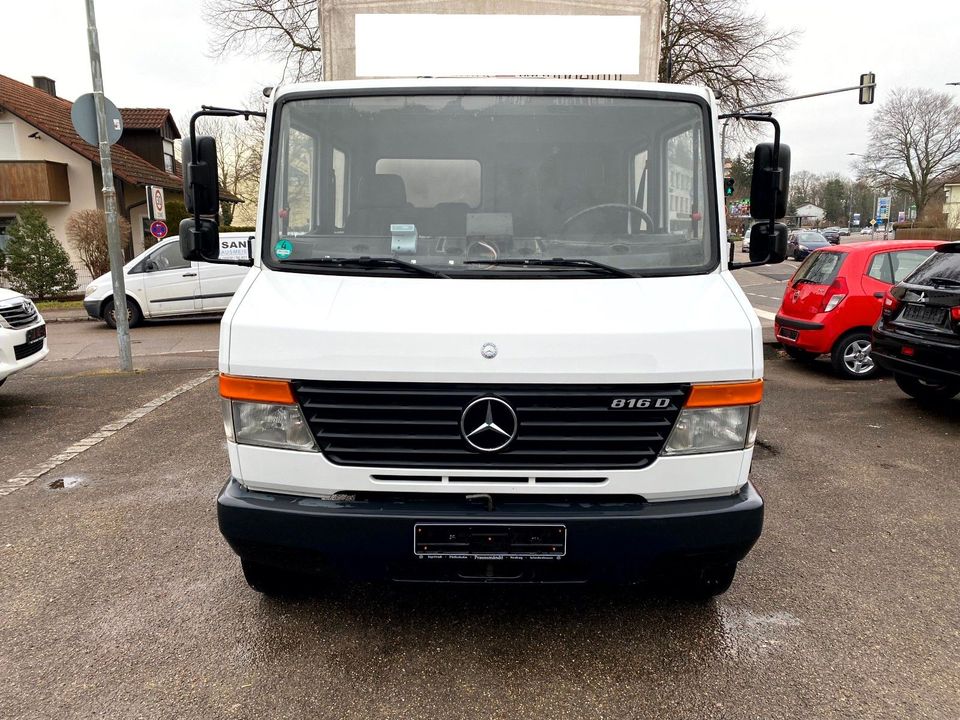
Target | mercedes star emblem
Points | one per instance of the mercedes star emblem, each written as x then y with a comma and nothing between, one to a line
488,424
488,350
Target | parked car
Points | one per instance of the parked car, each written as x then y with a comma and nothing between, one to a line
918,334
835,297
867,230
23,334
844,232
160,283
832,235
804,242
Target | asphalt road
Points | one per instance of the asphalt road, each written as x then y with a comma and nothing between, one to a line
119,599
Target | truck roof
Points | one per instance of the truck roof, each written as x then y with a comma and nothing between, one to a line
492,83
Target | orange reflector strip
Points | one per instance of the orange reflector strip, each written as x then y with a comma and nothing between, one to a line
256,389
726,394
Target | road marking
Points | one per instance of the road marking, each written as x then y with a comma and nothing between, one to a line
765,315
768,297
81,446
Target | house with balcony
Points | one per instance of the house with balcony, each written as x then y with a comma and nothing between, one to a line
43,162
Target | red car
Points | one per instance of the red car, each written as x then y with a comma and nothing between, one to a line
835,297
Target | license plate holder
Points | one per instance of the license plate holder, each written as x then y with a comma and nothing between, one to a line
789,334
34,334
489,541
923,314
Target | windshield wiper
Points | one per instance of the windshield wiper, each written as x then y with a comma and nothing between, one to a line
937,280
367,262
556,262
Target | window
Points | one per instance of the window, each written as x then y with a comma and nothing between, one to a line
167,257
299,201
8,146
942,265
820,268
686,168
5,223
429,182
168,164
892,267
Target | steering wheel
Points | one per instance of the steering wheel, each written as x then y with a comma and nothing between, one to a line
603,206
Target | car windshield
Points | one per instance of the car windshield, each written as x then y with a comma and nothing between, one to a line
474,185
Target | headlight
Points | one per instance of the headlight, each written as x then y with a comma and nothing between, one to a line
267,425
91,289
707,430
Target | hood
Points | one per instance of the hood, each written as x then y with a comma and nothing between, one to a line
672,329
6,294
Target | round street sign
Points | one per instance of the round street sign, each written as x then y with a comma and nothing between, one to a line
84,116
158,228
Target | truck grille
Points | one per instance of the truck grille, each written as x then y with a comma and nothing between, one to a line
417,425
19,315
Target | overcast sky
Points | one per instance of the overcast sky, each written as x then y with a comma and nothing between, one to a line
156,54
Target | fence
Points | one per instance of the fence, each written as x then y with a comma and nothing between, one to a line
921,233
83,278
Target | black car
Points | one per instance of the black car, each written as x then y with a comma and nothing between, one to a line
832,235
918,334
804,242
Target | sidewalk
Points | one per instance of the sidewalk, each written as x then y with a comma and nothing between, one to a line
78,315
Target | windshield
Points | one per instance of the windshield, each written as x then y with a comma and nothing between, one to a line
491,186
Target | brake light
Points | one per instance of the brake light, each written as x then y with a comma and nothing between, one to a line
955,313
890,305
834,294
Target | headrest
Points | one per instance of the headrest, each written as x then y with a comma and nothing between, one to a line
383,191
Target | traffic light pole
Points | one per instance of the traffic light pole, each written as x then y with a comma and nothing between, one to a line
109,197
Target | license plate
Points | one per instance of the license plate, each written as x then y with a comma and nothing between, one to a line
36,333
464,541
923,314
789,334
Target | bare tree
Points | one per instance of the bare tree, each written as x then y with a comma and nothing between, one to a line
721,44
239,154
87,232
914,144
286,30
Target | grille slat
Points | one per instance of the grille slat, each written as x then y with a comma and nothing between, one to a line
17,317
27,349
417,425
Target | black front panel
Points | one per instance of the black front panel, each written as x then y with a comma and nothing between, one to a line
27,349
418,425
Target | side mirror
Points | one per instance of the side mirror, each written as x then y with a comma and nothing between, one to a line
199,243
201,184
771,182
764,246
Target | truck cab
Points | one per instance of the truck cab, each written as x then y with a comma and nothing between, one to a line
489,334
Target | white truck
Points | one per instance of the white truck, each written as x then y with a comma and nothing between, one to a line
490,334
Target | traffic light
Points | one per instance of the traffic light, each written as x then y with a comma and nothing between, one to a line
728,186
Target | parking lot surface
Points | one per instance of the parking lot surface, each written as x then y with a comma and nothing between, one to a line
119,598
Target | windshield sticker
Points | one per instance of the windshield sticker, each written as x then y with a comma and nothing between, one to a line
283,249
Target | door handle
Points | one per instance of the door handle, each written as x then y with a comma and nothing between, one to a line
878,295
189,274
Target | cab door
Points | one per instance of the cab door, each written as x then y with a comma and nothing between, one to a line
171,285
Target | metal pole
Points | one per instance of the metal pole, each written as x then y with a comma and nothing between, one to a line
109,196
804,97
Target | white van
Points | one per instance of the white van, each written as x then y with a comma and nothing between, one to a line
23,334
161,284
490,334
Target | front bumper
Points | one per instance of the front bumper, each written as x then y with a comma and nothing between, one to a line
14,341
93,308
607,539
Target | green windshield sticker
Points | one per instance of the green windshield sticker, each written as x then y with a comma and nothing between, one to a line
283,249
